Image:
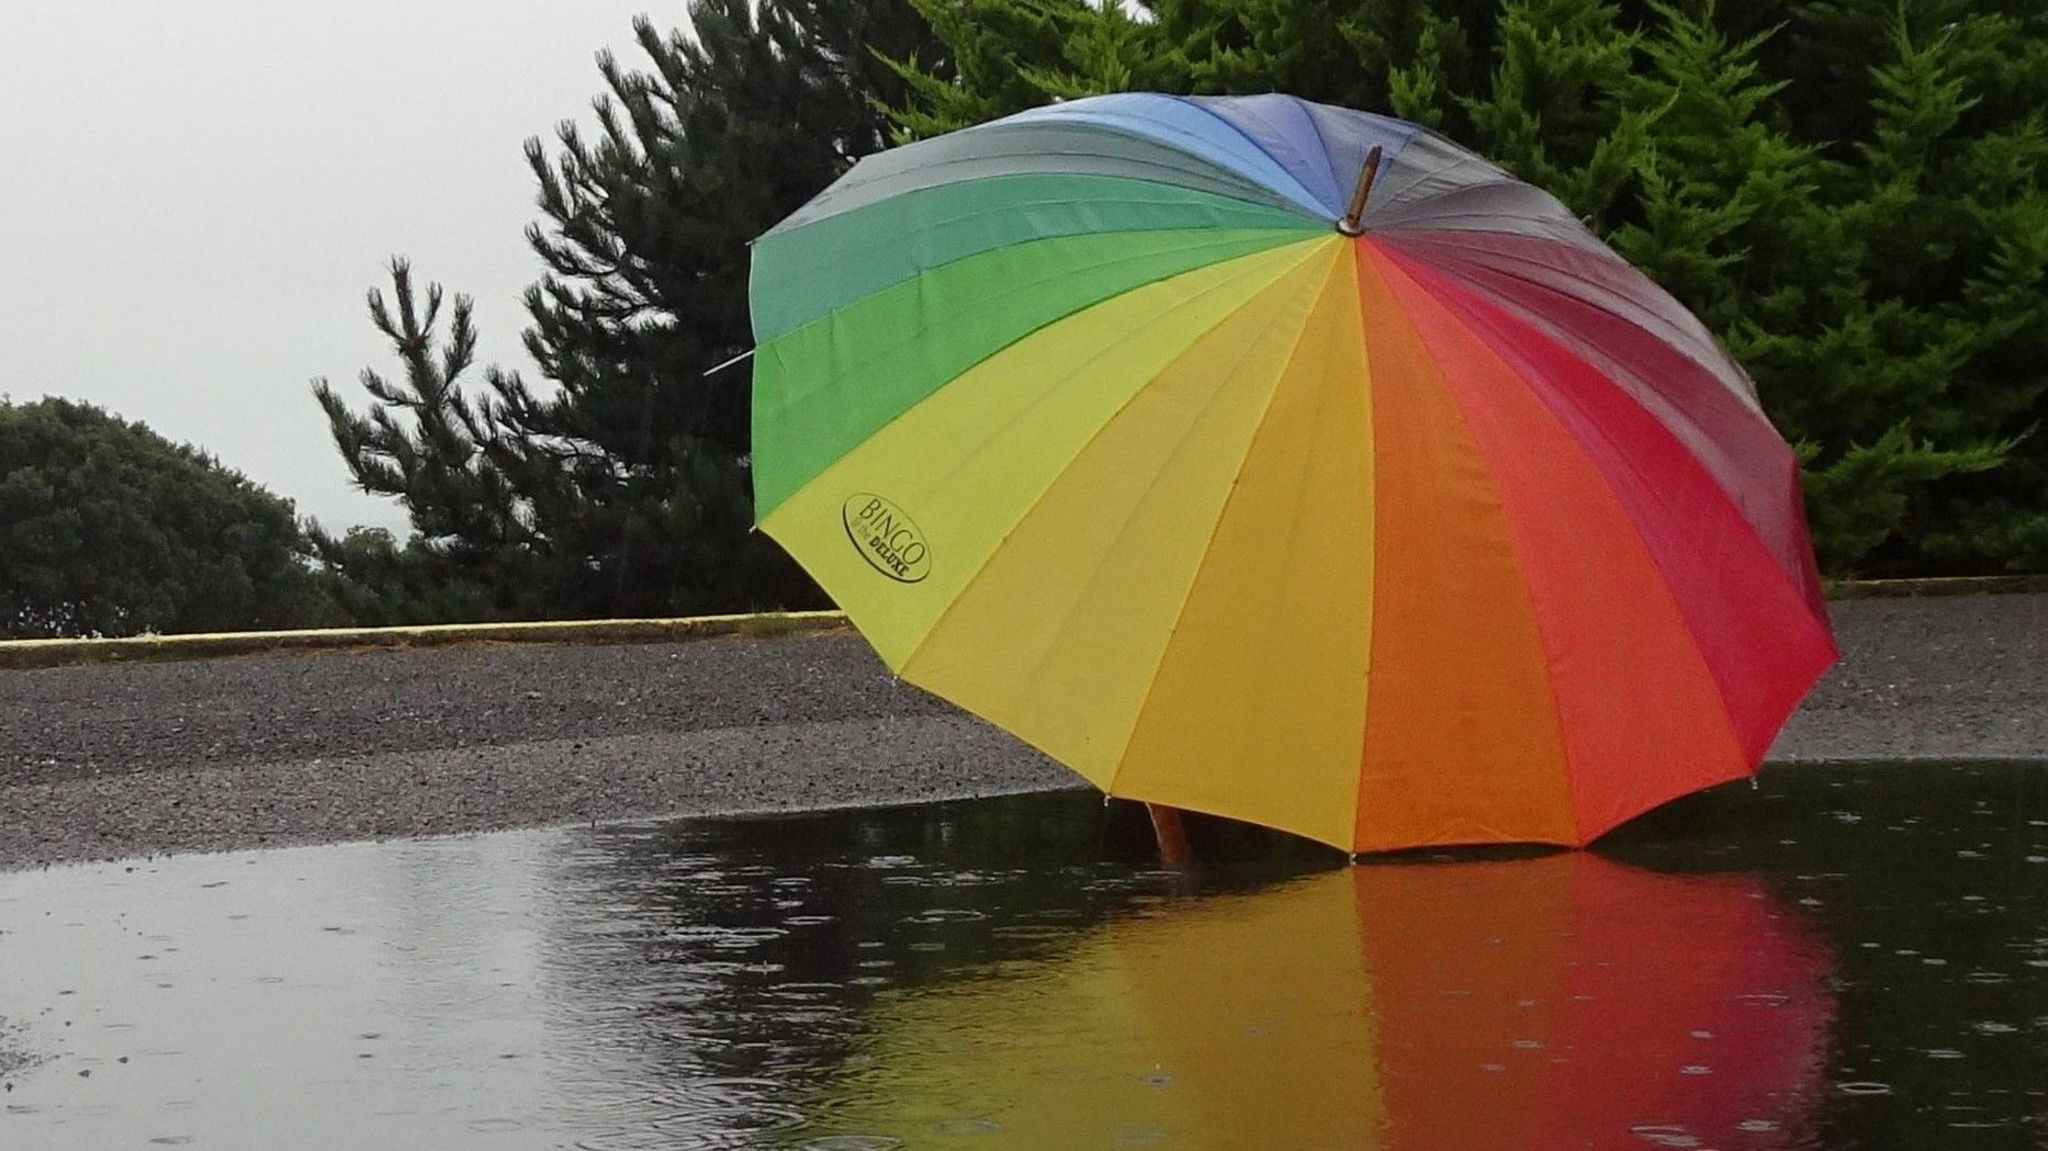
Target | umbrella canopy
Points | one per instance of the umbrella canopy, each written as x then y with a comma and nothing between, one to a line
1561,1002
1100,422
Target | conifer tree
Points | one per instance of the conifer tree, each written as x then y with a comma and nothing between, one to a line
634,460
423,443
1003,56
617,483
1951,200
1335,51
1007,55
1848,192
1833,278
1554,111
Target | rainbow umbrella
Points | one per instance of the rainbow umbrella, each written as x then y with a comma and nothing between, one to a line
1286,463
1539,1004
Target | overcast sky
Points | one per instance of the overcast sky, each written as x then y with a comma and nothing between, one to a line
194,198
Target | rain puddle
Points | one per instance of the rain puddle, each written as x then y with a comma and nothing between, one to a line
1844,957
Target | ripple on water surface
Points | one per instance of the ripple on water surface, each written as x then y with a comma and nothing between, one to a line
1843,957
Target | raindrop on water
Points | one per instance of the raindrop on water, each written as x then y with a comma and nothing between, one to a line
1665,1136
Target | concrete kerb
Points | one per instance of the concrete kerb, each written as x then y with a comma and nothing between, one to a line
1950,585
41,653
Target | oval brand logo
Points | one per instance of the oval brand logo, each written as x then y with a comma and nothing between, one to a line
886,538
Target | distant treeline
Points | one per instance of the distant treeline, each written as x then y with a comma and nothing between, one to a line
1848,192
106,528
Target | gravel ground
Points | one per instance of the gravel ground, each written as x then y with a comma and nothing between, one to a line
12,1061
113,761
1961,677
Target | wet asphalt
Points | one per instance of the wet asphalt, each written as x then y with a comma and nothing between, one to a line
115,761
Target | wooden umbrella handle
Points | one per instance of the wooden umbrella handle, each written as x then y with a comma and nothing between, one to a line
1173,838
1349,225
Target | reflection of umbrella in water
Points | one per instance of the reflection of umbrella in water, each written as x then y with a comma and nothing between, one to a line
1565,1001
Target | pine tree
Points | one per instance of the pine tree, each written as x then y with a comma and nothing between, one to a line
1554,112
618,483
1828,277
1848,192
1002,56
1951,197
1007,55
634,460
424,443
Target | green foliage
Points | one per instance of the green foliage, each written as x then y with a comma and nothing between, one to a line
106,528
1553,112
618,483
424,443
1860,498
1006,55
1847,192
374,581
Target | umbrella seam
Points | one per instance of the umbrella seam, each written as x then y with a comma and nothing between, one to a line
1261,149
1227,179
1335,200
773,353
1392,154
1322,142
1463,157
1499,502
925,325
1269,196
1409,211
1109,126
1215,528
1456,313
975,575
1442,236
1275,226
1550,331
1294,521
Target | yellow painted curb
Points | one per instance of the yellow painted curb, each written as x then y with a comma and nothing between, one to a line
34,653
1946,585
